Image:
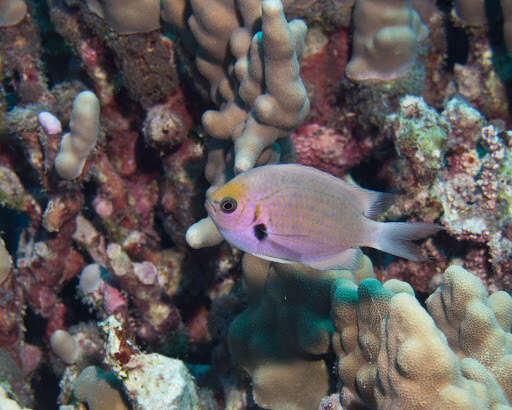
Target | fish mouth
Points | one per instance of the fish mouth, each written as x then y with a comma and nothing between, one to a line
209,207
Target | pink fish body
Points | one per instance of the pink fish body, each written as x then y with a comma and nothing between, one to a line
294,213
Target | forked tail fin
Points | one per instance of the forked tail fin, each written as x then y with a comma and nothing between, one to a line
396,238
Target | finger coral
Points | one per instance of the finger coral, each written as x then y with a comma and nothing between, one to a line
268,99
414,354
76,145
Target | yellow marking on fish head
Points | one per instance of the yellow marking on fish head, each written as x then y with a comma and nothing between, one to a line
233,189
238,216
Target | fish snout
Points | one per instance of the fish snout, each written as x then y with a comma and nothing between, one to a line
210,208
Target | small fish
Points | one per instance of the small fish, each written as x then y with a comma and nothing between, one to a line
293,213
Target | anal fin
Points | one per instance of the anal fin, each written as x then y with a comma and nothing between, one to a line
348,259
272,259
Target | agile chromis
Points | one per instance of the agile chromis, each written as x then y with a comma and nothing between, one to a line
295,213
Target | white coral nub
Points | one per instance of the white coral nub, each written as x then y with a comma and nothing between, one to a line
76,145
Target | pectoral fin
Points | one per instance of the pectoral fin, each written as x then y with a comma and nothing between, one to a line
272,259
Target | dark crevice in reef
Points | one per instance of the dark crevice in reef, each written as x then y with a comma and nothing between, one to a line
148,158
367,174
45,386
56,56
12,146
35,326
456,38
12,225
89,189
77,311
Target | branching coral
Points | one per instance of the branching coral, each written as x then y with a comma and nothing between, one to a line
389,348
270,101
259,91
357,313
414,354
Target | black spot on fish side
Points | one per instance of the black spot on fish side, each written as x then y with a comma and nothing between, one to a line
260,232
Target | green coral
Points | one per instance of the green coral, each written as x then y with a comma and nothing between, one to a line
421,136
504,174
12,193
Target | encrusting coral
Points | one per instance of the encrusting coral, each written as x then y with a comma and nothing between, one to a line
471,11
386,39
12,12
128,17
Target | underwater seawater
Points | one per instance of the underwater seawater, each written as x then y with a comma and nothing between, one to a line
233,204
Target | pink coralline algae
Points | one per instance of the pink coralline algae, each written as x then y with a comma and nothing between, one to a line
325,149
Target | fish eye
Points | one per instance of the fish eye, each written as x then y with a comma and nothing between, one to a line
228,205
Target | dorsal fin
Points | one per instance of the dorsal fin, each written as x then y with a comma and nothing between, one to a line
372,203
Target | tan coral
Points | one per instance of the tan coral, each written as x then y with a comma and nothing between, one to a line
128,16
281,338
5,262
306,380
387,33
76,145
418,370
174,12
284,103
12,12
461,309
357,314
272,100
93,388
267,106
471,11
501,304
